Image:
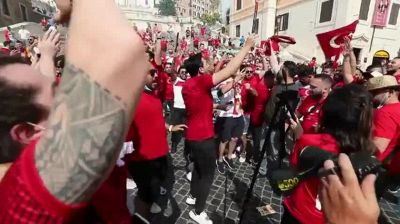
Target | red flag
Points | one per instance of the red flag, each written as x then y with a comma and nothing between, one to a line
272,44
330,41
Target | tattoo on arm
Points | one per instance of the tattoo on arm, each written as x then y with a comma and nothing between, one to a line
86,131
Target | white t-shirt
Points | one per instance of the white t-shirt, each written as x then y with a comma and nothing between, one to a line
234,100
24,34
178,99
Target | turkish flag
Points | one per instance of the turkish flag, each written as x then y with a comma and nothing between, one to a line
272,44
331,41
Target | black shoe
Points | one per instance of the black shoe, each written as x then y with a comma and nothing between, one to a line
220,167
229,163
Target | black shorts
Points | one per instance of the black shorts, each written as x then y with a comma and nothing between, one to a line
148,176
232,128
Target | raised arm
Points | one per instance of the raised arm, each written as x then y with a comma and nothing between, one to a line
48,47
157,52
235,63
94,104
348,71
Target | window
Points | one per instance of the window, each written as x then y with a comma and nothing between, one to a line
6,10
364,9
326,11
256,24
238,4
237,30
23,12
282,22
228,18
394,14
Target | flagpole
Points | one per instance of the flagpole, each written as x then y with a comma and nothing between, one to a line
372,39
253,29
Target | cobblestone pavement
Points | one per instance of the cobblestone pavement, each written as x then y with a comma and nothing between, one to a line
176,210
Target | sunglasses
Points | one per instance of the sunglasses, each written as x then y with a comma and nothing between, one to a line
36,126
249,72
153,72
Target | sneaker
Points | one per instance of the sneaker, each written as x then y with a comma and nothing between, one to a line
190,200
189,176
220,167
234,156
394,189
242,158
229,163
201,218
130,184
155,209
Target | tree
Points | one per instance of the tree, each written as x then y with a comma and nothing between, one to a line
210,19
167,8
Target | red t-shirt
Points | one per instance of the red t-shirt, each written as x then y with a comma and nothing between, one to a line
162,80
196,41
310,109
24,198
302,202
164,45
5,51
387,125
249,100
110,199
169,89
199,107
147,131
263,94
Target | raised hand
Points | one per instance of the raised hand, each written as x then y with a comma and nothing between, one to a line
49,43
346,47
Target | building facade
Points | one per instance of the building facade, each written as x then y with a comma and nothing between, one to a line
200,7
239,17
304,19
15,11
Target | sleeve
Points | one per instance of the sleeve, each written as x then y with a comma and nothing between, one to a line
384,126
207,82
294,156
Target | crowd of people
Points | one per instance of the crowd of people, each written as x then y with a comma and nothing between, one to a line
74,128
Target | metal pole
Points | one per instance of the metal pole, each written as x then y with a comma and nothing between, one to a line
372,39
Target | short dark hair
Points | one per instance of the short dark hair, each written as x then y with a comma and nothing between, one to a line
325,79
193,65
6,43
17,103
304,70
291,68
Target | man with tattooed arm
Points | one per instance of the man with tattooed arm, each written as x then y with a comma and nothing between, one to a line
54,178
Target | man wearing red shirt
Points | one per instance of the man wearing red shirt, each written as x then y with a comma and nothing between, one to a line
148,163
52,181
386,134
309,110
393,68
200,134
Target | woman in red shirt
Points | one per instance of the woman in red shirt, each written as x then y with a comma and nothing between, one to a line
345,128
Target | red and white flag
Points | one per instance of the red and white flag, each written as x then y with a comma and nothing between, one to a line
331,41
